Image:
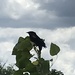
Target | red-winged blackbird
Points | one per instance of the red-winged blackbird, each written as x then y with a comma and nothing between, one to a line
36,40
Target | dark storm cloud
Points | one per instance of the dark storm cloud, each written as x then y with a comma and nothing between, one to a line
33,23
63,8
55,13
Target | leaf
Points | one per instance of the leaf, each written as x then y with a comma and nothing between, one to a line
24,44
34,73
54,49
35,62
44,66
19,72
22,63
30,68
25,55
21,39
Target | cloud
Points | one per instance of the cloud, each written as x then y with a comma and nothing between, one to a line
22,16
63,37
38,14
15,9
64,8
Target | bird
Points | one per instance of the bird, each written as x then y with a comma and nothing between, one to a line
36,40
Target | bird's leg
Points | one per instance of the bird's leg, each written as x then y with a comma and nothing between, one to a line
39,54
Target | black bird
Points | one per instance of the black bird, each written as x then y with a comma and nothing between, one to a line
36,40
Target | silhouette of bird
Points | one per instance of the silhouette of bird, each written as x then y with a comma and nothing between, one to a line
36,40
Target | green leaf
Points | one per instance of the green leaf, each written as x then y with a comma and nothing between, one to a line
44,66
25,55
22,63
35,62
22,59
21,39
19,72
54,49
30,68
24,44
34,73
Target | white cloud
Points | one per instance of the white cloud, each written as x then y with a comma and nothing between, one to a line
16,9
36,13
61,37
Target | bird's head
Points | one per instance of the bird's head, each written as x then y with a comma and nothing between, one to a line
31,33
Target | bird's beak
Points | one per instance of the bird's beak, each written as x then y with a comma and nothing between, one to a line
27,32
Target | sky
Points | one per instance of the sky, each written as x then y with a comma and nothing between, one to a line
53,20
